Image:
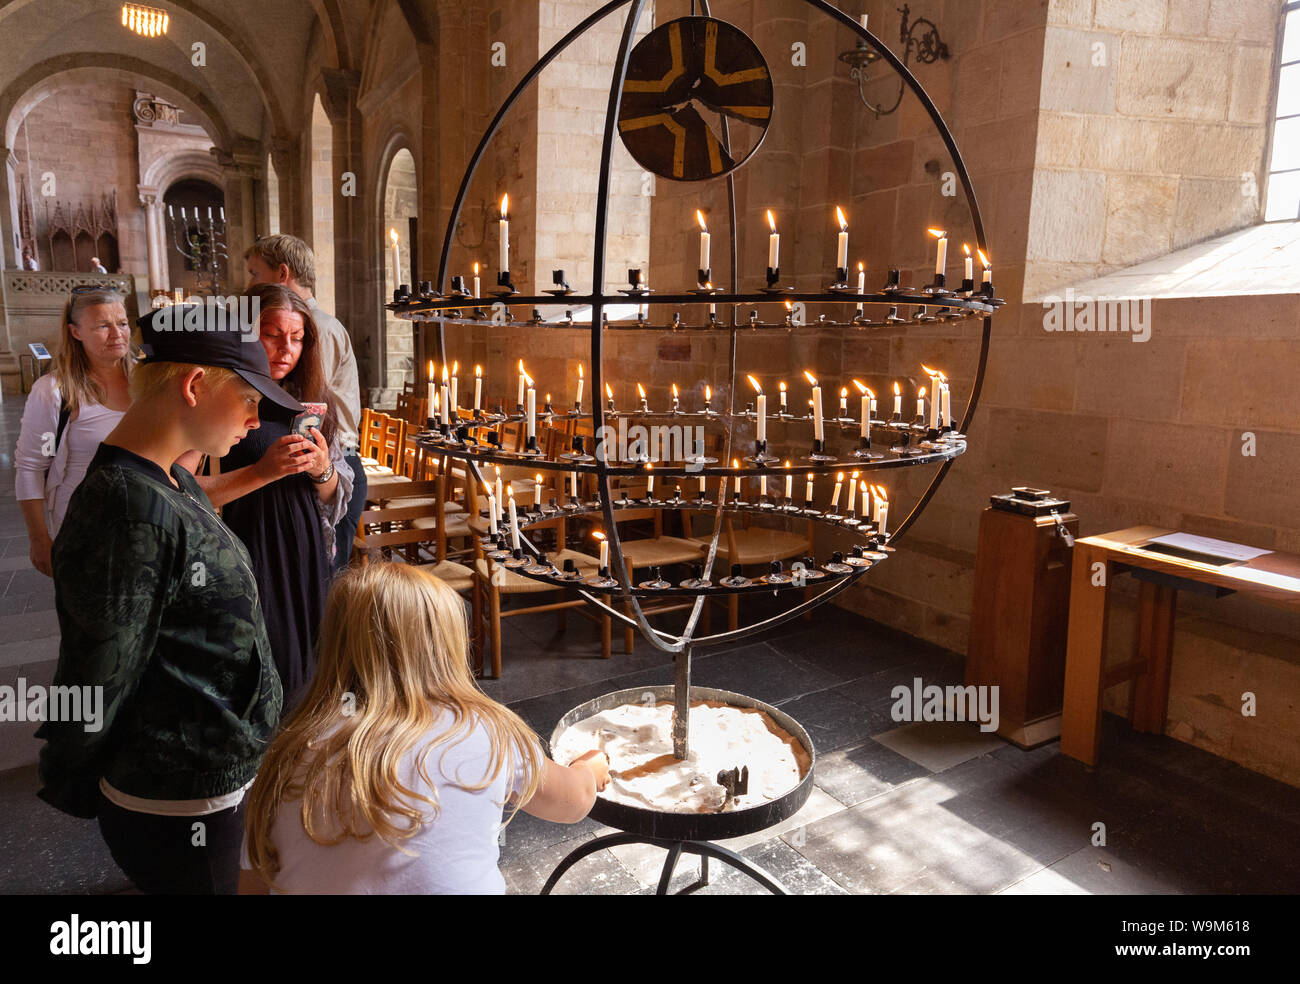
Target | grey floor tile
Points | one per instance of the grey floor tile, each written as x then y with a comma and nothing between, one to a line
1097,871
597,874
791,870
856,774
939,745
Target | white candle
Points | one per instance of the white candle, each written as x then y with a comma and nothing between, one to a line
864,499
397,259
476,283
945,402
675,403
783,406
898,400
504,232
429,395
446,410
500,497
808,490
864,22
844,401
933,420
704,241
842,247
640,392
969,273
866,409
478,387
537,491
522,384
882,510
988,267
789,481
532,411
773,244
514,521
941,254
573,484
762,485
455,386
702,485
649,482
604,549
816,405
920,402
762,408
736,486
862,284
492,510
578,400
835,496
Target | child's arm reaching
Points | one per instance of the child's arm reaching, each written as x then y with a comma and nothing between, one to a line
567,793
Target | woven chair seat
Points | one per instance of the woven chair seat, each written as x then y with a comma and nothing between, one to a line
759,545
514,583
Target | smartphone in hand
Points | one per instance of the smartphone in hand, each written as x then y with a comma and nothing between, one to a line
313,415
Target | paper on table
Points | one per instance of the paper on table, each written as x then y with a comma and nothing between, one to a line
1206,545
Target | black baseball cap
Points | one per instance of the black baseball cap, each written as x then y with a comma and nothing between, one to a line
213,334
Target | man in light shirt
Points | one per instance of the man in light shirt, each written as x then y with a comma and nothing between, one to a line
288,260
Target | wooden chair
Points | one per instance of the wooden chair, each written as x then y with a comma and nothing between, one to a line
411,408
656,550
383,442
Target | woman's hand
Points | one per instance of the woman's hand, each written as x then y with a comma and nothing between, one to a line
286,457
318,454
40,555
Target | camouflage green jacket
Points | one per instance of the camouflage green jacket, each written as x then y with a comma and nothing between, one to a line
157,606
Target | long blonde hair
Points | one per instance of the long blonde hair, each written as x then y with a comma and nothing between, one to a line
72,365
392,655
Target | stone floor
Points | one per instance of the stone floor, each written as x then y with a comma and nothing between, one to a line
912,808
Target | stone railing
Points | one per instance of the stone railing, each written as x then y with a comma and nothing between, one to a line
28,283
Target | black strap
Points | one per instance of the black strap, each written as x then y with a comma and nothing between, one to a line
65,412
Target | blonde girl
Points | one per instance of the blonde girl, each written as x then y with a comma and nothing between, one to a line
392,774
69,411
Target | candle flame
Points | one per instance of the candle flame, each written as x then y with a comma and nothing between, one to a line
498,468
505,204
771,221
476,269
579,370
708,394
548,398
880,491
735,463
528,380
609,392
430,368
445,372
862,486
839,216
786,465
596,534
855,475
844,391
812,380
674,391
478,371
897,390
521,367
860,267
699,217
754,383
928,371
862,389
782,385
455,366
938,233
392,234
789,306
640,391
810,476
920,393
983,259
839,477
510,491
538,478
965,248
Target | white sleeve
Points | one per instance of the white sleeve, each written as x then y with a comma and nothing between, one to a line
40,420
332,512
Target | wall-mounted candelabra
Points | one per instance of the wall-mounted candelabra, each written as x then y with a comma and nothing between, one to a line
201,241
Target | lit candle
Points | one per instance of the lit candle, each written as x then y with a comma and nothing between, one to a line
782,385
789,481
898,400
862,284
604,549
808,490
835,496
842,249
844,401
702,485
864,22
500,497
476,283
640,392
816,405
713,308
704,241
492,510
736,486
478,387
446,409
920,402
762,485
514,519
866,408
941,254
537,491
504,227
708,395
773,244
609,395
522,386
223,213
865,500
969,273
649,482
933,421
455,386
429,396
675,404
882,509
945,401
762,409
988,267
397,259
578,401
532,410
573,484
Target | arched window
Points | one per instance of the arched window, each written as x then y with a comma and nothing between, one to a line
1283,191
322,203
272,198
400,205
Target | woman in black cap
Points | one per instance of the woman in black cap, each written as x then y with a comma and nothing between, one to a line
284,493
162,631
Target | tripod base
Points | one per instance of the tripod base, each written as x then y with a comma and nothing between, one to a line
675,849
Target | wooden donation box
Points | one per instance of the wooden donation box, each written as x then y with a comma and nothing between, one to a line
1020,611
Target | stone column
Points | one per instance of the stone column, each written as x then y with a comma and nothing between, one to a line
154,243
10,252
157,221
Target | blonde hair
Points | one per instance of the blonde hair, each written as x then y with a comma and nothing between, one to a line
150,379
72,365
289,250
392,655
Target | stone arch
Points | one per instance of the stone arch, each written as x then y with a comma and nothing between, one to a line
398,161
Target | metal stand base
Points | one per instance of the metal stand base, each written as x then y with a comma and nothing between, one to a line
675,849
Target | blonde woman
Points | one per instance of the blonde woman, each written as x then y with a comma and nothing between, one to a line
69,411
392,774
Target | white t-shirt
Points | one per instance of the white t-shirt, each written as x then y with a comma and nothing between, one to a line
457,853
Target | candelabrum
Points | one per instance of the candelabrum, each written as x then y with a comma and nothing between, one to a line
202,242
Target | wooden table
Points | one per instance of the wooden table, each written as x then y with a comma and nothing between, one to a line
1273,577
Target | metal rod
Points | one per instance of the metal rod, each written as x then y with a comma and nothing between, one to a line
682,703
